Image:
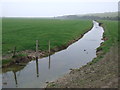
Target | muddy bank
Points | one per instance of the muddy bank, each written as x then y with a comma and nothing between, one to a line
103,74
18,60
30,55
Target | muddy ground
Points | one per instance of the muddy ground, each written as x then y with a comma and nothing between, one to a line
103,74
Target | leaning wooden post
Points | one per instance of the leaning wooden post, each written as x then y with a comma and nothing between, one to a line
36,49
14,51
49,47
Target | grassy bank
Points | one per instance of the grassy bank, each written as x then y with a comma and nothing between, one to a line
102,72
110,36
23,33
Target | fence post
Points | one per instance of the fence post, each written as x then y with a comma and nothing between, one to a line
49,47
14,51
36,49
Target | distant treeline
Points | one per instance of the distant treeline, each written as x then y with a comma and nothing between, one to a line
100,18
88,17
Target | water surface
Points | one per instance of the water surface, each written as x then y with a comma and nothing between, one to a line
36,73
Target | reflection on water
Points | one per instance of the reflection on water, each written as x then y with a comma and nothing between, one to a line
37,68
49,62
15,77
37,72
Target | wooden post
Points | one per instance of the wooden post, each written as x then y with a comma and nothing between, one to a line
37,70
36,49
14,51
49,53
49,47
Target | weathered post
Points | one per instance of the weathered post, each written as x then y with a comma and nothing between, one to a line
36,49
49,53
37,69
14,51
49,47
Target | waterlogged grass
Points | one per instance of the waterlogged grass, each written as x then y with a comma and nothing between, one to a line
111,36
23,32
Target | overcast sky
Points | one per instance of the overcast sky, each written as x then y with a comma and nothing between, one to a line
49,8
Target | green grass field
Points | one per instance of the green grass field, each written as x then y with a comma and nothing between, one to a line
23,32
111,33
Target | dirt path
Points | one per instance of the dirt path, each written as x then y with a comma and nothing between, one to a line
103,74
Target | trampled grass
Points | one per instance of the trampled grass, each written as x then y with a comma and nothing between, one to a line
23,32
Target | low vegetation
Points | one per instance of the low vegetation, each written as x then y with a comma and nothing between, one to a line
110,35
22,33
